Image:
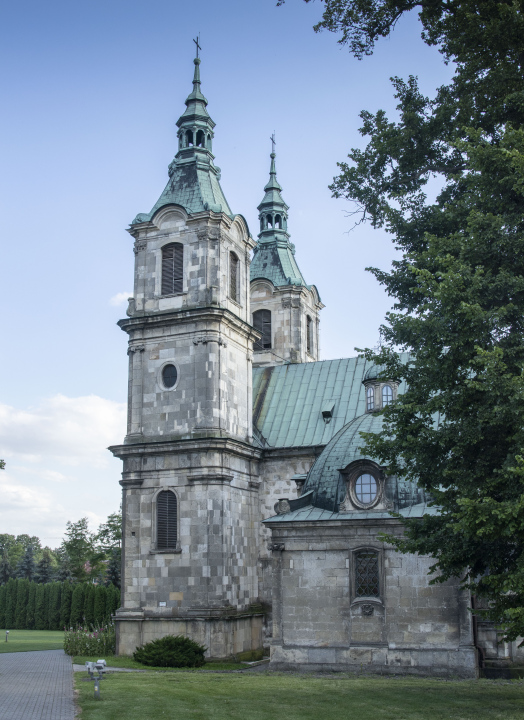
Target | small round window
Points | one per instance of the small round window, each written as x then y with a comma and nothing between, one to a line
169,376
366,489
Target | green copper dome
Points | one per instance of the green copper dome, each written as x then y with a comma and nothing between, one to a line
194,180
324,478
274,256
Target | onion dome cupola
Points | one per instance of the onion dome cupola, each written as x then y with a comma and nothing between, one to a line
274,257
194,179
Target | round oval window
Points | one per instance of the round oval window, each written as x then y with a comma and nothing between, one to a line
366,488
169,376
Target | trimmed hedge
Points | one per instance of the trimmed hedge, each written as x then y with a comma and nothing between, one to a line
26,605
171,651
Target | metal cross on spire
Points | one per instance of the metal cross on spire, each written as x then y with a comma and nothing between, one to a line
273,141
197,43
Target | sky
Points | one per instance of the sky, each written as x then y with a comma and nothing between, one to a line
91,95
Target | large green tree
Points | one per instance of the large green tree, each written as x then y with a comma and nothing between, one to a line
458,429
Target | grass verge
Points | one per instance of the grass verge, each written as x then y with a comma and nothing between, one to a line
261,696
128,662
26,640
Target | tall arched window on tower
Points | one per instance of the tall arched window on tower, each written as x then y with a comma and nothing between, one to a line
234,290
262,323
172,268
166,520
309,335
370,398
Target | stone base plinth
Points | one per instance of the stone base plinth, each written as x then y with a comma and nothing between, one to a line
377,660
222,636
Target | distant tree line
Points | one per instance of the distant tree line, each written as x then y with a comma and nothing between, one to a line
26,605
81,557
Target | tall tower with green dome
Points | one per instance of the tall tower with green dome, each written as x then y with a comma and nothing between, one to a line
190,496
285,309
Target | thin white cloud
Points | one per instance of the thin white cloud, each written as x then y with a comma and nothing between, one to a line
58,467
120,298
71,430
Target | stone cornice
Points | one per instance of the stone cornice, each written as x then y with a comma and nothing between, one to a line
142,321
154,447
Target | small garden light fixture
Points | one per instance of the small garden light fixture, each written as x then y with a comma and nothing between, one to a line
92,667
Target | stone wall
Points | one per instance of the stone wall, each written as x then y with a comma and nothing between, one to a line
319,623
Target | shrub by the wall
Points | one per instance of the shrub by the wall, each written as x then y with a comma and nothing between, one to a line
171,651
100,641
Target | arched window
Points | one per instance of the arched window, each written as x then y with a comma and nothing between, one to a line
189,138
200,138
209,142
367,582
262,323
309,335
370,398
172,269
233,277
387,395
278,222
166,520
269,221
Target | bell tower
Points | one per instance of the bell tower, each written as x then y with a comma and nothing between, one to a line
285,309
190,496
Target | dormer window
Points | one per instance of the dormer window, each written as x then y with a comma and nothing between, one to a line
380,391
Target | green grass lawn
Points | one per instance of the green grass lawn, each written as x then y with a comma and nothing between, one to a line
128,662
25,640
261,696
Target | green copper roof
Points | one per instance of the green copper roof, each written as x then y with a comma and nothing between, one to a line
288,400
194,180
274,256
275,261
314,514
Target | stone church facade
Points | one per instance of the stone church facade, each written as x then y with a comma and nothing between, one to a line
250,516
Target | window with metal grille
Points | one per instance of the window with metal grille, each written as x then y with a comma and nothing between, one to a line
370,398
309,334
262,323
166,520
233,277
387,395
366,574
172,268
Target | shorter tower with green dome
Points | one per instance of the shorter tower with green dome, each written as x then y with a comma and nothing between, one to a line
285,309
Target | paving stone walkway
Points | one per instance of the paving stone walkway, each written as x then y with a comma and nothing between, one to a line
36,686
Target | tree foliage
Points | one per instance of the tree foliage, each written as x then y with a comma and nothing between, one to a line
458,429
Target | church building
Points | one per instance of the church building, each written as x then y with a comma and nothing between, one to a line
250,517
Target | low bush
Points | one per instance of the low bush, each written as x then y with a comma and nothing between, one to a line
100,641
171,651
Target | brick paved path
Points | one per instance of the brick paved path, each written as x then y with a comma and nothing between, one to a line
36,686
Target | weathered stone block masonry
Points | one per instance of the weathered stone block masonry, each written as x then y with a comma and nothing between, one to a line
250,516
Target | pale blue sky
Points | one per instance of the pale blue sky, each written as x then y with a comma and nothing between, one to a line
91,93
